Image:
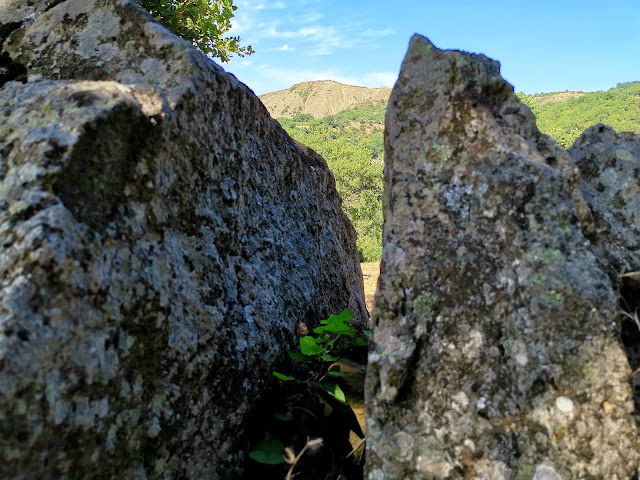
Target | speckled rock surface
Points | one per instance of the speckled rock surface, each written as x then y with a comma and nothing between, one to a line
495,352
609,165
161,235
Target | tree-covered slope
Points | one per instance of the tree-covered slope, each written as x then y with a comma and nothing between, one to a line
352,142
565,115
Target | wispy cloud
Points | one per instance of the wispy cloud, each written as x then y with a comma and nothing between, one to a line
295,43
283,48
257,22
326,39
378,33
311,17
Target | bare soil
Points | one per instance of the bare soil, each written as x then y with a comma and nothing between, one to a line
370,274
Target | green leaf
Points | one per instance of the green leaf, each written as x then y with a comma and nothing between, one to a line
336,323
298,357
334,390
360,342
332,373
309,346
285,417
283,377
269,453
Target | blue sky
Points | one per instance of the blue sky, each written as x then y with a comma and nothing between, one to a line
543,46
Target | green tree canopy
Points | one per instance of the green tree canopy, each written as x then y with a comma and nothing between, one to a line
202,22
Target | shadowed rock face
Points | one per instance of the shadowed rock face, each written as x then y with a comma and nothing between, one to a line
609,166
495,352
161,235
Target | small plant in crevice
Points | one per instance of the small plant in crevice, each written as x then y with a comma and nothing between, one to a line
314,417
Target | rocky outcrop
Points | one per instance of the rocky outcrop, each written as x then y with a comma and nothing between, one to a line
495,352
161,236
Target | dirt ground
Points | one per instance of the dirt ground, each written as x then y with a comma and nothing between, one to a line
370,274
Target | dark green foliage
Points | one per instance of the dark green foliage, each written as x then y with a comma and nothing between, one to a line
202,22
302,117
268,452
313,393
352,142
564,117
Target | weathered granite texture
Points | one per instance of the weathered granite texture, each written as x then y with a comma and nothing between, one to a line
161,235
495,352
609,166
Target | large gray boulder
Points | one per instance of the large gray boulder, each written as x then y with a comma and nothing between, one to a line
495,352
161,235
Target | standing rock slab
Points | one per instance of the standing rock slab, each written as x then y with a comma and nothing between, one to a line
161,236
495,352
609,167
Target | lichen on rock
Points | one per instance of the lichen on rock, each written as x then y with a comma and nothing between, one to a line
495,340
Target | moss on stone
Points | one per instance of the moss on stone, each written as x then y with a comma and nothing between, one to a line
550,255
425,304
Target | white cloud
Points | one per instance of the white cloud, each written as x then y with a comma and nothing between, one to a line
283,48
304,28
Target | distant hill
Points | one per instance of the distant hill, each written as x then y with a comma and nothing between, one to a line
321,98
565,115
351,138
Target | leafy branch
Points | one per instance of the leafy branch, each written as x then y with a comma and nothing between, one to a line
202,22
317,373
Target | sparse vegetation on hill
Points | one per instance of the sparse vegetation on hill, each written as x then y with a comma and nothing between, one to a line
321,98
352,140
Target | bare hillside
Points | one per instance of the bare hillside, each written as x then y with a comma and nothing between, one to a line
320,98
544,99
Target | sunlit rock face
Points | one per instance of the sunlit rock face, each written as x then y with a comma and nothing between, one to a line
609,166
496,351
161,236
